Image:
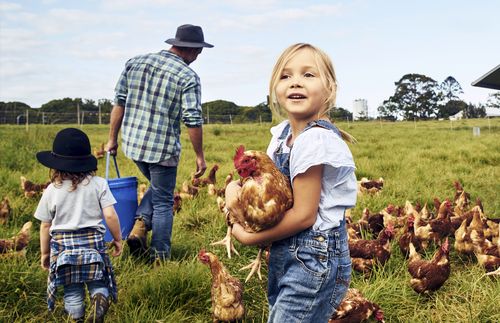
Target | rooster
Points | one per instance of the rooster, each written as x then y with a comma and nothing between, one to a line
429,275
31,189
4,210
18,243
264,197
356,308
227,291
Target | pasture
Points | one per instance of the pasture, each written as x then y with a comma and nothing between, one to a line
418,161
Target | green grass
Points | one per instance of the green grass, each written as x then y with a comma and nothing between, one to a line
419,161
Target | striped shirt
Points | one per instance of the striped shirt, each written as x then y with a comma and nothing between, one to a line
157,90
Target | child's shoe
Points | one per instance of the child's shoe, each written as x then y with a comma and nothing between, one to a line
100,305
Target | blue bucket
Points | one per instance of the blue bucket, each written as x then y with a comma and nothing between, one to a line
124,190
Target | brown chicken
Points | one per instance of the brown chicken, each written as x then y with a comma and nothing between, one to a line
356,308
31,189
372,222
463,241
5,210
487,253
18,243
429,275
227,291
220,192
264,197
99,153
407,236
366,253
210,179
366,186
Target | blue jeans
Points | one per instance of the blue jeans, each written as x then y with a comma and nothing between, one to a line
156,208
309,275
74,296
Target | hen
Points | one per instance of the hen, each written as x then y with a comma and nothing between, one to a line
210,179
227,291
407,236
365,253
366,186
17,244
31,189
4,210
356,308
429,275
264,197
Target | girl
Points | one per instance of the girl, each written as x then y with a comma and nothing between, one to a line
309,266
71,210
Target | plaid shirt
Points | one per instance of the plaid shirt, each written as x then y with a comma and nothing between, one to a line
157,90
78,257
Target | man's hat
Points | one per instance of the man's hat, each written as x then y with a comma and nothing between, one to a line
189,36
70,152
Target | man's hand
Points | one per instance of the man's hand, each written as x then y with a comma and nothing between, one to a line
112,147
201,166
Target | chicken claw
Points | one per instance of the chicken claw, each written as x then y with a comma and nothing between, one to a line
254,266
227,242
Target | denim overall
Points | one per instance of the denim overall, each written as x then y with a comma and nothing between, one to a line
310,272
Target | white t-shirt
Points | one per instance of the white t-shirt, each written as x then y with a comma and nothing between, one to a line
72,210
320,146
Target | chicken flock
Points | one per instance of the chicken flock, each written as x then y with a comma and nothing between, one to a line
455,223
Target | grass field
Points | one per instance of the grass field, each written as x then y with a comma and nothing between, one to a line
419,161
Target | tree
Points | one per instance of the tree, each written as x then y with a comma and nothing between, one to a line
472,111
451,89
494,100
388,110
451,107
339,113
416,96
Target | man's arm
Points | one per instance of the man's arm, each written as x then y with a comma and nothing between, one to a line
114,127
196,137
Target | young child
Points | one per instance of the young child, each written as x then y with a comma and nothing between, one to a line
72,232
309,266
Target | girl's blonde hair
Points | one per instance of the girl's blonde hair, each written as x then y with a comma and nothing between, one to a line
57,177
326,74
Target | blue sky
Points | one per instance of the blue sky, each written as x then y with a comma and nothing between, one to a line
53,49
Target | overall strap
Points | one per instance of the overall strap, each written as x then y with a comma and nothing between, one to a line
323,124
284,133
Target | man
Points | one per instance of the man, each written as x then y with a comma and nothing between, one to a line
154,93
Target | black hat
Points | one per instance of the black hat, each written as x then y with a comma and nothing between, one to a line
70,152
188,36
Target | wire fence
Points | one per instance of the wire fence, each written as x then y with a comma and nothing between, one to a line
92,117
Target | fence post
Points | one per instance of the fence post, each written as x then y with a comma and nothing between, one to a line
27,119
99,105
78,113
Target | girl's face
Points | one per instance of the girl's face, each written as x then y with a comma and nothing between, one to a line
300,90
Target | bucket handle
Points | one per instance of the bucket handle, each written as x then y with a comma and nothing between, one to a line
107,165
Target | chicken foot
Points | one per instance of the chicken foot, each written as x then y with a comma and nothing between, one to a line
227,242
254,266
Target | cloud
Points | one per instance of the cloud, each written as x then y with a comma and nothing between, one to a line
9,6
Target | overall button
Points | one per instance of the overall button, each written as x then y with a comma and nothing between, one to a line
319,238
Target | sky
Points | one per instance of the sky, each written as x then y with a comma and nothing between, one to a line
51,49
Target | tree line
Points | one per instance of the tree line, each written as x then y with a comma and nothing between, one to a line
421,97
416,96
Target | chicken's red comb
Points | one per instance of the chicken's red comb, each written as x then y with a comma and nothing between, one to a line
239,152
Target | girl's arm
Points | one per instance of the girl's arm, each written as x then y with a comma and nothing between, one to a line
45,244
306,195
113,224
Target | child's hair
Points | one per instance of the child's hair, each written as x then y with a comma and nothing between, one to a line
326,74
57,177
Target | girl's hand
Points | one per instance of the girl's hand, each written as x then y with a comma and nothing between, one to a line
241,235
45,261
118,246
